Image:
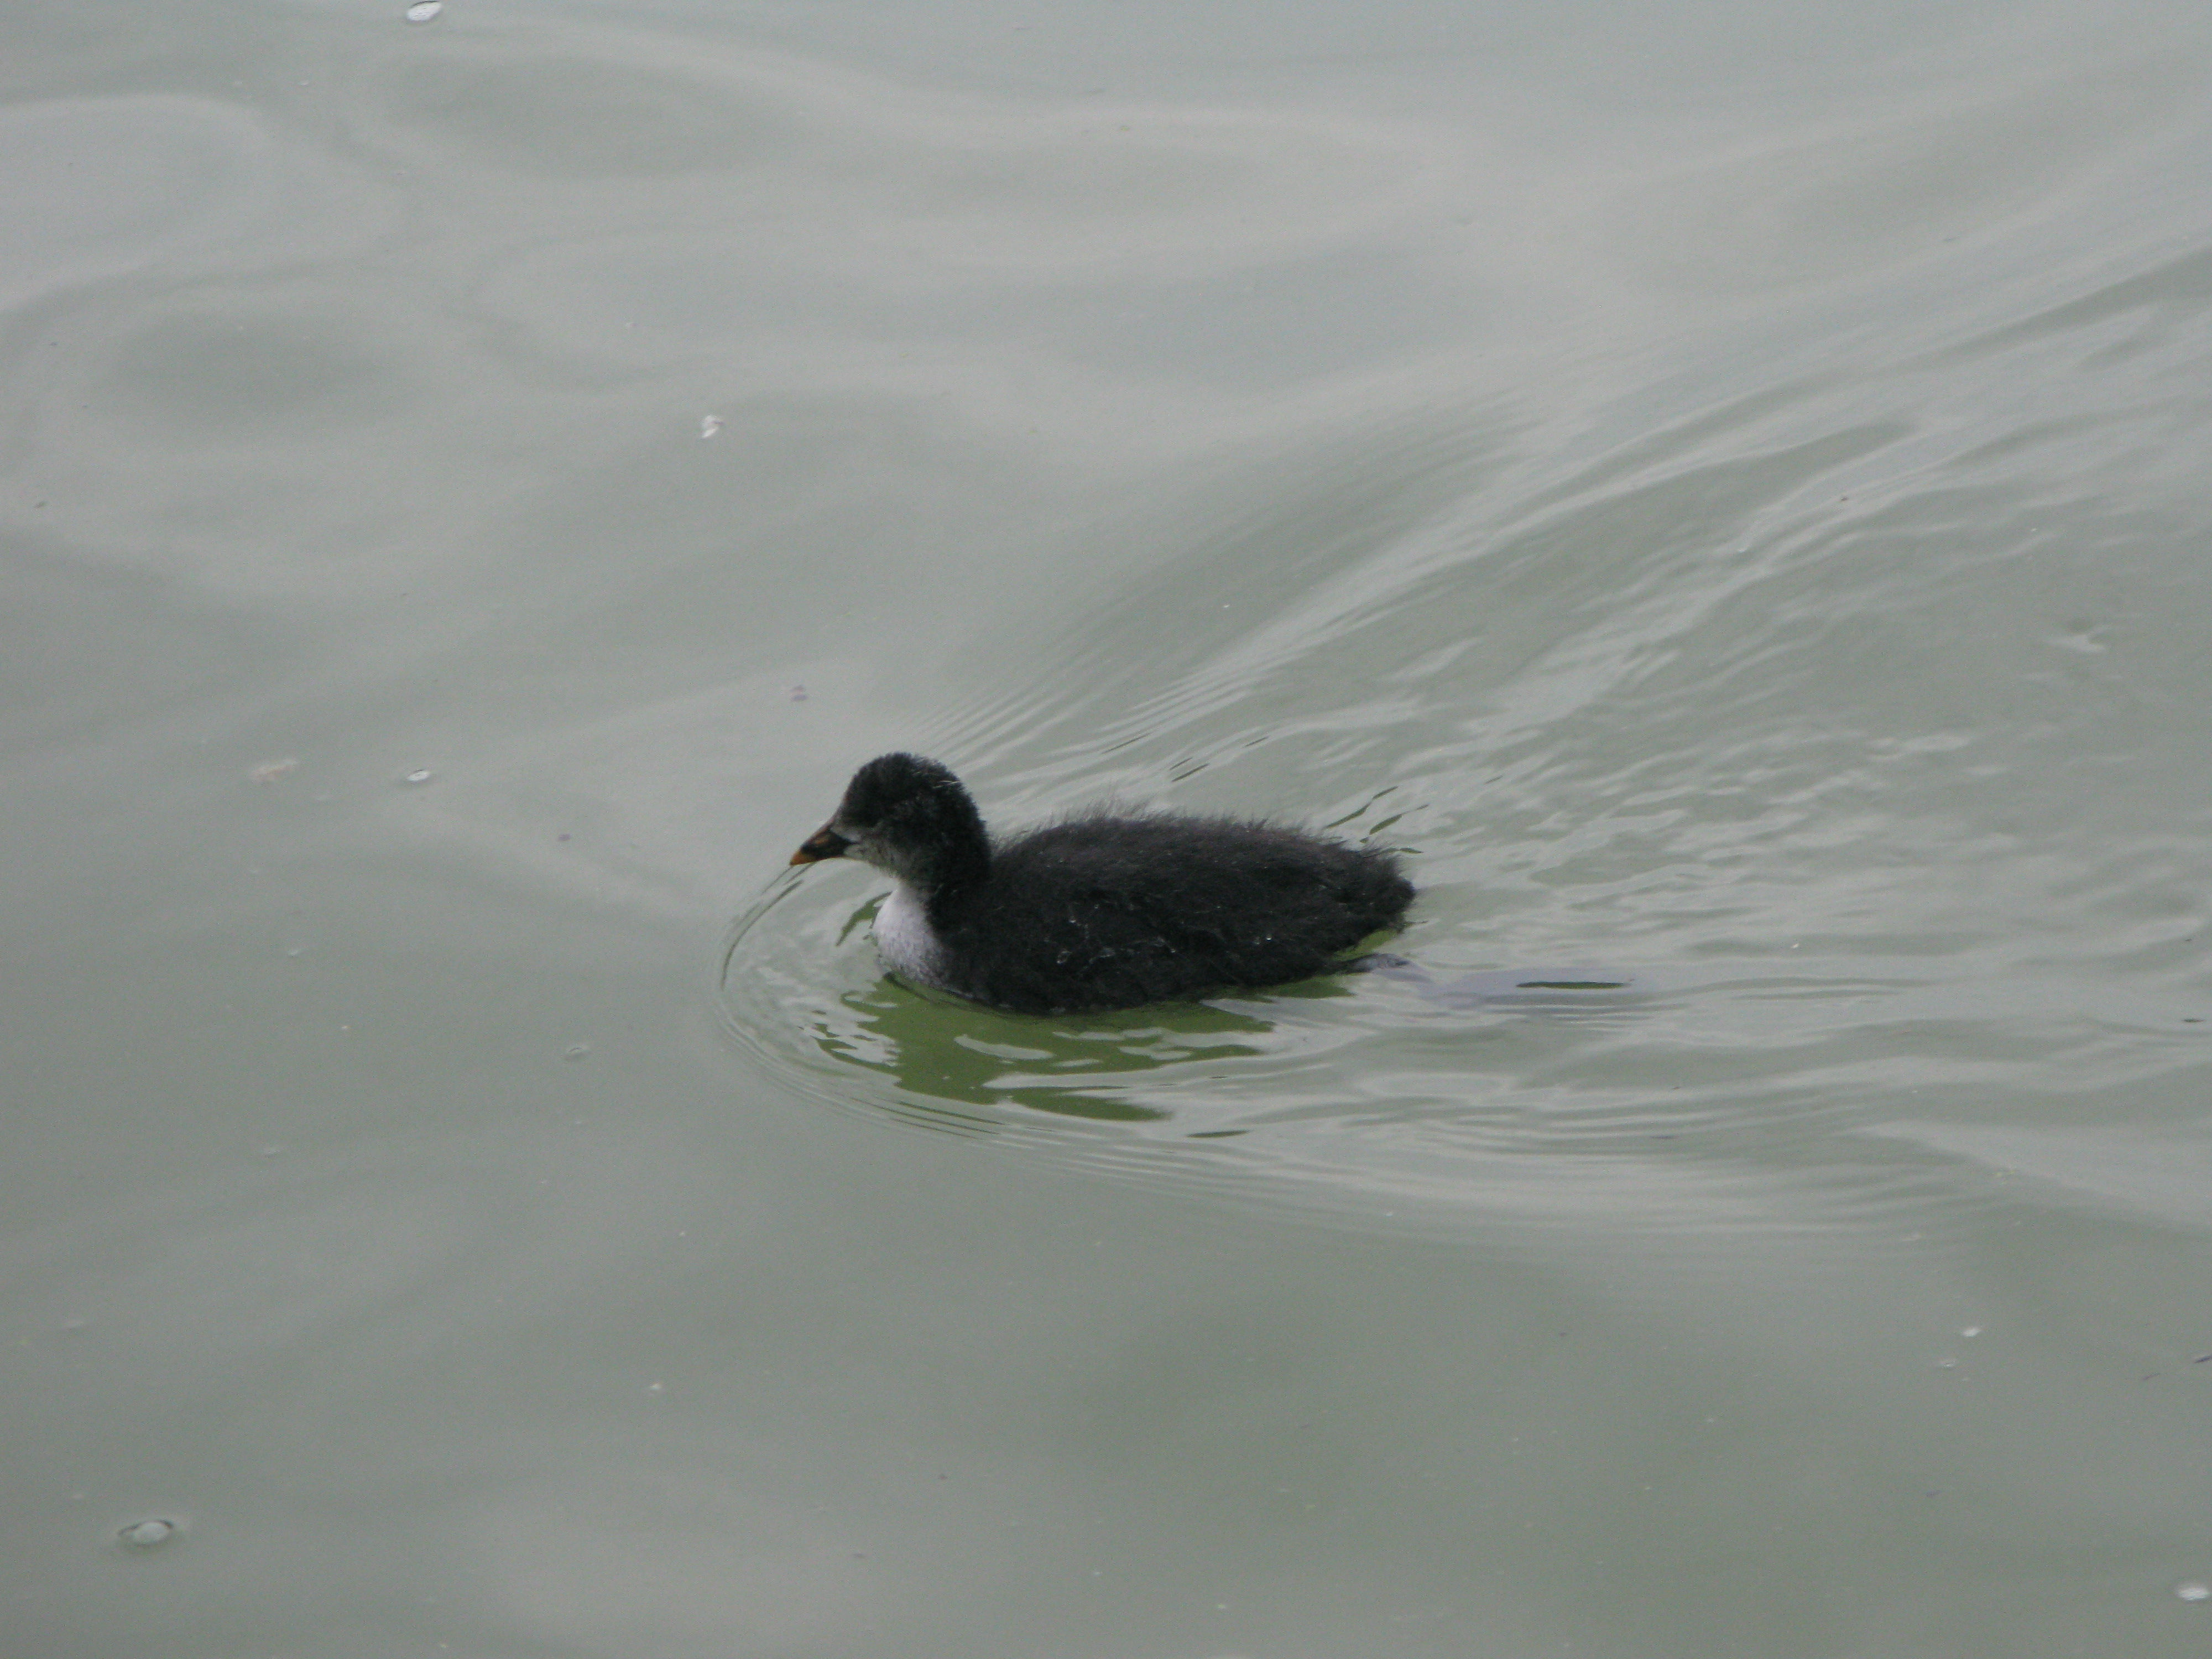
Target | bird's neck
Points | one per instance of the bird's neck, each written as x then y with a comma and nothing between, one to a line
953,871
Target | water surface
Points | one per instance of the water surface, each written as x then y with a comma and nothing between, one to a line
1722,489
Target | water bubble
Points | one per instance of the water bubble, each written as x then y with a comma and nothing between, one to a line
422,774
709,425
2193,1591
1970,1330
423,10
148,1533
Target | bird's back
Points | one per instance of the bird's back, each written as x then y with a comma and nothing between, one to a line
1113,911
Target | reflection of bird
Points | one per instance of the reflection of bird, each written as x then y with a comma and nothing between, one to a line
1099,911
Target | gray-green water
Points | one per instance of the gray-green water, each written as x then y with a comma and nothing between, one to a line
1725,487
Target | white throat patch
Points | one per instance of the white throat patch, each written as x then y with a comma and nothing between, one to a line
904,936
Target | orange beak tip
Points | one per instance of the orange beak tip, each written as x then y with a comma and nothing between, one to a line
823,843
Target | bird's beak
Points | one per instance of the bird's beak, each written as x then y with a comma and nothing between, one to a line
823,843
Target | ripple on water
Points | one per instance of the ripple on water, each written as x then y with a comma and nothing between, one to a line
1681,1103
1751,688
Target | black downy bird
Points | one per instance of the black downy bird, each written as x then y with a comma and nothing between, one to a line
1103,909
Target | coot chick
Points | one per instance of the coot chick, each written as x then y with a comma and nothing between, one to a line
1104,910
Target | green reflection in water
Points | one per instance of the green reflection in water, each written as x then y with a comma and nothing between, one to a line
960,1067
951,1053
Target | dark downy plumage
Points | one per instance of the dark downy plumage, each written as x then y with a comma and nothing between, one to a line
1104,910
